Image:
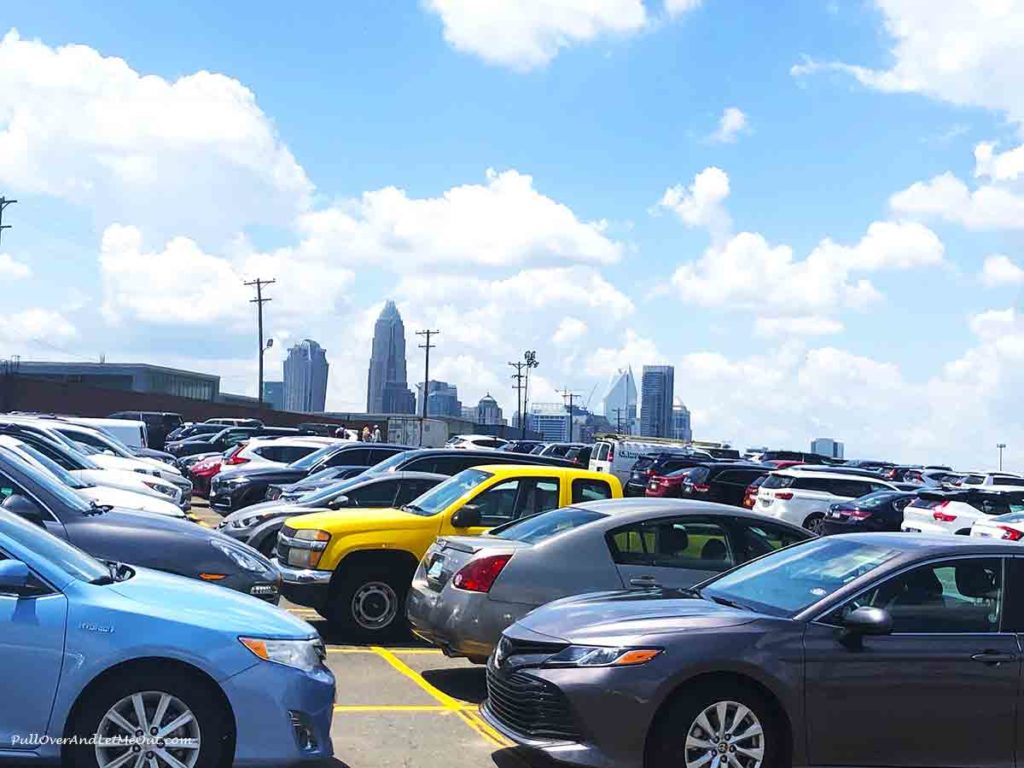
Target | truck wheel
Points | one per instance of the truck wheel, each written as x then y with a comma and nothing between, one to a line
165,718
368,603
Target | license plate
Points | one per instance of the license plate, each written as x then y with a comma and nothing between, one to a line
263,589
436,567
913,530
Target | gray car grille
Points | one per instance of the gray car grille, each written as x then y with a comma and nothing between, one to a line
531,707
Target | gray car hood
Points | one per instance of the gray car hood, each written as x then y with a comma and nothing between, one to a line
627,617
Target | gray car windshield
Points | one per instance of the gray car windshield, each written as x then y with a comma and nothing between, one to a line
55,469
538,528
68,498
69,559
441,496
785,582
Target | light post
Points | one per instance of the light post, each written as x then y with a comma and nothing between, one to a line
531,362
1000,446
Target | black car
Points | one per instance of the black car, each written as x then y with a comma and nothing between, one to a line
259,524
316,481
136,538
192,430
724,483
522,446
451,461
580,455
652,465
159,424
804,458
227,437
878,511
234,488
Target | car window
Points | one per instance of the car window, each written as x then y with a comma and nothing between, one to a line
689,543
850,488
538,495
412,489
441,496
758,538
379,494
355,457
86,438
1007,481
955,596
538,528
602,452
778,481
497,504
590,490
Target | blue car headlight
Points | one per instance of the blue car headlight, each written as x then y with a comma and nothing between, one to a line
599,656
237,555
306,654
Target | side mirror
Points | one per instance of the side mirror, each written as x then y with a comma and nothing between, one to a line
867,621
14,576
467,517
339,502
25,508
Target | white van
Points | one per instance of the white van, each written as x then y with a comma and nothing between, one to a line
131,433
616,454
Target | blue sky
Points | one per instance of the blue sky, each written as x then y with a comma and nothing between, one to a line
345,148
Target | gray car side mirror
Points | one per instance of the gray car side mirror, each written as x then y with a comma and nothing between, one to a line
866,621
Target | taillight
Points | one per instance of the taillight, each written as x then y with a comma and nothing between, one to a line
939,515
1010,534
479,575
235,460
858,514
611,453
784,495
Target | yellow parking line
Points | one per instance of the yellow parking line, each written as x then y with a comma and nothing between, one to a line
467,715
355,649
396,708
420,651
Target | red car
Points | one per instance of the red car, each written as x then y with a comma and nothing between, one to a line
201,474
667,486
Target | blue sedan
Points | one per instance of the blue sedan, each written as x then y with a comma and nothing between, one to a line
111,666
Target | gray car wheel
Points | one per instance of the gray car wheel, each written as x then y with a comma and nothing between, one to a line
725,733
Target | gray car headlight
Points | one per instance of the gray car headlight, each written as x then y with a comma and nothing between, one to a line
252,520
300,654
241,558
166,490
598,656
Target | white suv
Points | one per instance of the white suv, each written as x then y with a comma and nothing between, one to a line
955,512
476,442
991,481
276,451
802,497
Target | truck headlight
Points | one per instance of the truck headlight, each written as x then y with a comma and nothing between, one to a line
305,548
306,655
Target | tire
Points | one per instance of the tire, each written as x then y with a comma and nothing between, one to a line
368,603
813,521
679,736
179,694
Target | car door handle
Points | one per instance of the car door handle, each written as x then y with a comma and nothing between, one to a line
644,581
993,657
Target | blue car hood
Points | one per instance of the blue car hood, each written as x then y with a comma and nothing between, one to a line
189,601
628,616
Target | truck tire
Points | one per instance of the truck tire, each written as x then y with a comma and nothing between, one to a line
368,603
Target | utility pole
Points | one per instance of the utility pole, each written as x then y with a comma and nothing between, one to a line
1000,446
618,421
530,358
518,377
4,202
426,376
259,301
569,397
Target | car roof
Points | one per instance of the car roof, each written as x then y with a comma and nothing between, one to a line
512,470
627,509
827,474
940,544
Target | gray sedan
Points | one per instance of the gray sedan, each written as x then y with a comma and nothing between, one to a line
874,649
468,589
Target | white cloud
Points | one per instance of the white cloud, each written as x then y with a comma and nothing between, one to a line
569,330
635,350
34,325
678,7
701,204
505,222
731,124
946,197
1000,270
998,166
525,34
11,269
194,154
748,273
808,325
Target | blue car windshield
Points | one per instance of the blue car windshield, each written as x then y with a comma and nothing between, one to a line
58,552
788,581
440,497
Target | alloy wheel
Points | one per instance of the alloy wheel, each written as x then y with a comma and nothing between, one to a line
374,605
726,734
148,729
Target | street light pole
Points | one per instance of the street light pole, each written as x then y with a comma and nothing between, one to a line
425,395
531,362
1000,446
259,301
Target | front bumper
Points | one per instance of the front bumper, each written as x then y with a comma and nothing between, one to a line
263,699
225,497
460,623
305,586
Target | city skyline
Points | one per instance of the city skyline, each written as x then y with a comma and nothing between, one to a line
387,388
306,372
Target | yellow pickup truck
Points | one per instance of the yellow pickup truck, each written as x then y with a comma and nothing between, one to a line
354,566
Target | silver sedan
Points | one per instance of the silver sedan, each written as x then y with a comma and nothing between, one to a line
467,590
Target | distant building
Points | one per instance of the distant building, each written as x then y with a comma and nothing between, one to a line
128,377
620,402
826,446
305,378
550,419
442,399
387,389
681,423
657,389
469,413
488,411
273,394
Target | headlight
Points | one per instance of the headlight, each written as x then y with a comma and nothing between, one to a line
253,520
241,558
161,488
300,654
153,472
234,481
305,548
596,656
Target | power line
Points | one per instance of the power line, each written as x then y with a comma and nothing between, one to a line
259,301
426,347
4,202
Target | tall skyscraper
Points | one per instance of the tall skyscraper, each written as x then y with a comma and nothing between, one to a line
387,389
681,423
656,392
305,378
620,402
273,394
488,411
442,399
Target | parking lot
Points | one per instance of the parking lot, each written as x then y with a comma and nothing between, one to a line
406,704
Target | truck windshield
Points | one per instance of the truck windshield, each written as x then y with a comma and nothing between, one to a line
440,497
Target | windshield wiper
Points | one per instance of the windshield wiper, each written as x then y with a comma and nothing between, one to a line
726,602
414,508
98,509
